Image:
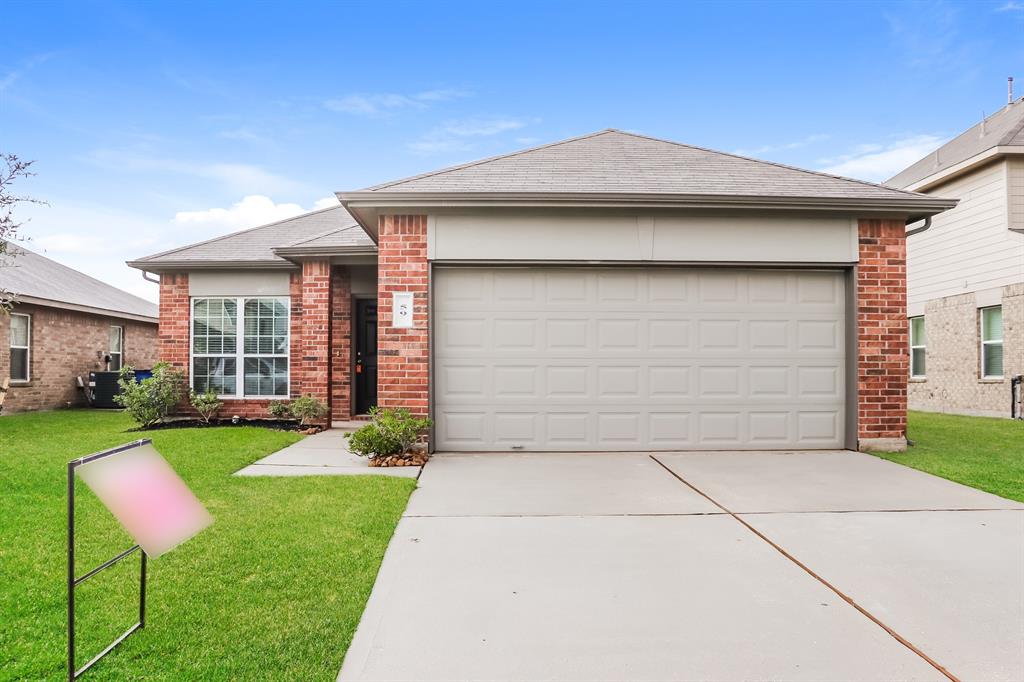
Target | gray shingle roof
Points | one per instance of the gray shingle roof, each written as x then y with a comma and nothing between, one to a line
256,245
1005,128
31,276
617,162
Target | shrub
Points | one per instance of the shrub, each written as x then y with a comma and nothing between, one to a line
307,409
206,404
391,432
150,401
279,409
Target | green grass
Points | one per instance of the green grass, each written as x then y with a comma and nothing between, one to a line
981,452
273,590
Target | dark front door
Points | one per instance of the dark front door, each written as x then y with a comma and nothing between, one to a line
366,355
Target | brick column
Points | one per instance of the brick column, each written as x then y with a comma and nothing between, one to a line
341,344
883,354
173,332
403,355
314,372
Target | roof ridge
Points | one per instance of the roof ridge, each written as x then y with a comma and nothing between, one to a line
489,159
770,163
236,233
1017,128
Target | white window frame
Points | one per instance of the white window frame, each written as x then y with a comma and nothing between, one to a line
120,353
918,346
990,342
27,348
240,355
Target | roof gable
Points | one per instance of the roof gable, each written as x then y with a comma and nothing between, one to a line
617,162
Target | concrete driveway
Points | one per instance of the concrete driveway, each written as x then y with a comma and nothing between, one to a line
696,566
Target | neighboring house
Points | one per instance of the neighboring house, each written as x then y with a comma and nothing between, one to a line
66,324
608,292
966,273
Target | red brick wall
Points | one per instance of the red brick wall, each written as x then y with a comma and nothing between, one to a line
63,345
310,319
403,355
341,344
882,330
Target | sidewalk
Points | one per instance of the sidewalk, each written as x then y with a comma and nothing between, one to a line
322,454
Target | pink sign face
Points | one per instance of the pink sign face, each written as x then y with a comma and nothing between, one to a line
147,497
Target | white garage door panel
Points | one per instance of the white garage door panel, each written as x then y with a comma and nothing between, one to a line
620,359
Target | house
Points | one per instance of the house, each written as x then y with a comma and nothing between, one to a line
607,292
65,324
966,273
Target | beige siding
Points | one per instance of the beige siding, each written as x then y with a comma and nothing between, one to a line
620,237
969,248
238,283
1015,192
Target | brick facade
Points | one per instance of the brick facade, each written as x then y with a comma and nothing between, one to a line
66,344
341,344
320,311
403,355
953,381
883,355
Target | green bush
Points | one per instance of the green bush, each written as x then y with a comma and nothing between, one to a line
307,409
206,404
150,401
390,432
279,409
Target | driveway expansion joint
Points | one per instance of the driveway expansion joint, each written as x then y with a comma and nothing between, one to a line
849,600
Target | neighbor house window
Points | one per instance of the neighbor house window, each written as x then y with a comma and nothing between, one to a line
21,336
917,347
116,351
992,342
240,346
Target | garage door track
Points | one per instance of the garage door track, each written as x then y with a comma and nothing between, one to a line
695,566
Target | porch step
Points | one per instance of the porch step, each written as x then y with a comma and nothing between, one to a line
351,424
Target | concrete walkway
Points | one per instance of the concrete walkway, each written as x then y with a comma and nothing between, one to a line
696,566
324,453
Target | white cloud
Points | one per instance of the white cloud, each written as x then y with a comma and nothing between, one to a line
457,136
13,76
877,162
251,211
238,178
377,104
1011,6
782,146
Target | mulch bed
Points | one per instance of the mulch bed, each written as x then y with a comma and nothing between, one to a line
191,423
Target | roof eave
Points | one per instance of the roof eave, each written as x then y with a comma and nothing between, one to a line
179,265
306,251
92,310
964,166
912,207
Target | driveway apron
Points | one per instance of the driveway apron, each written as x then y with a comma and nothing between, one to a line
695,566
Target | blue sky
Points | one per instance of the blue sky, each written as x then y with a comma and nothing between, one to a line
159,124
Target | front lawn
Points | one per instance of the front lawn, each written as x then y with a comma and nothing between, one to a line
981,452
272,590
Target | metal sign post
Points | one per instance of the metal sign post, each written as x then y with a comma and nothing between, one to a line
74,581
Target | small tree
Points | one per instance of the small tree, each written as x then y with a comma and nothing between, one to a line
12,169
206,404
150,401
307,409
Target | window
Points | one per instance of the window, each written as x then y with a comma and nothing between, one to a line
992,342
258,355
21,335
917,347
116,352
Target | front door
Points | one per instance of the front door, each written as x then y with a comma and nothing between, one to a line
366,355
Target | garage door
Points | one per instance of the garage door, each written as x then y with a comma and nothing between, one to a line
538,358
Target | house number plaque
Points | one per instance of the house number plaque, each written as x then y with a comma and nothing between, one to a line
401,309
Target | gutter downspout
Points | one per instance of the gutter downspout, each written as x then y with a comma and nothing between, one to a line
145,276
919,230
